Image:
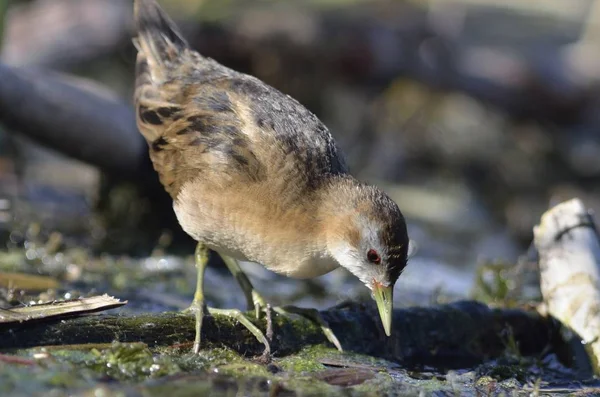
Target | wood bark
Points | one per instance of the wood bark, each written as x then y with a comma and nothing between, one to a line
569,252
74,116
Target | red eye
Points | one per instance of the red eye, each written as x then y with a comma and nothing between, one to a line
373,257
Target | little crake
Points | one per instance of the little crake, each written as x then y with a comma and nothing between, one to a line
255,176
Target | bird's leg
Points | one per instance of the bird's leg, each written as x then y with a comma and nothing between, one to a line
197,307
253,298
258,303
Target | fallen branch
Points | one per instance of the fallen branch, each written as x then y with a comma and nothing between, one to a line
569,251
62,309
74,116
454,335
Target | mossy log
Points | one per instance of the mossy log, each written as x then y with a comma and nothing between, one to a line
454,335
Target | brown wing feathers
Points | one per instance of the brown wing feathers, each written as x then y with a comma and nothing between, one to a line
200,117
183,107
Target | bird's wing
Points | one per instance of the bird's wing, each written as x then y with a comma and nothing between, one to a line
204,120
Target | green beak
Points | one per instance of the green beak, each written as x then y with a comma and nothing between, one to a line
383,297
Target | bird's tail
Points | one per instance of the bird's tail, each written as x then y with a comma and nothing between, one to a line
161,50
159,42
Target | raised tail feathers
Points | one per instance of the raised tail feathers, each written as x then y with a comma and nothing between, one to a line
158,39
161,49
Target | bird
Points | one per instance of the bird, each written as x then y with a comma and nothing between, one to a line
255,176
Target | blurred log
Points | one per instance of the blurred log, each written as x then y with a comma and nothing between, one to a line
569,253
457,335
73,116
87,122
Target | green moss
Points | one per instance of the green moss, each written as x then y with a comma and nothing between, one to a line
300,363
221,359
224,361
294,323
303,326
131,361
174,319
243,367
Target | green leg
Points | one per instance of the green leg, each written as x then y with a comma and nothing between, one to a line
256,301
253,298
197,307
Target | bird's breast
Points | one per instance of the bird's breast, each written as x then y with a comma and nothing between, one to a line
246,224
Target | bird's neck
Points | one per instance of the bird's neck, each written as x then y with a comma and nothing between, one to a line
340,203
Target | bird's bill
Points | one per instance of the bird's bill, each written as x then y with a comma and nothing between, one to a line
383,298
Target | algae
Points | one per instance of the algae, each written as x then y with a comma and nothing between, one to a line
306,360
131,361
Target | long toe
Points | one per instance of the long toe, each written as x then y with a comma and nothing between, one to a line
242,319
314,316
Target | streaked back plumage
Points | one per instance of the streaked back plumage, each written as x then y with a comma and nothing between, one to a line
201,118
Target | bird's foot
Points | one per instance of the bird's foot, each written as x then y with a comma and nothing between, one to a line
242,319
315,316
310,314
197,308
259,304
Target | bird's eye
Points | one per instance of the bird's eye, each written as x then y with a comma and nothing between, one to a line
373,257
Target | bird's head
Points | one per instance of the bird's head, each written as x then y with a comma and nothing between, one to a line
369,238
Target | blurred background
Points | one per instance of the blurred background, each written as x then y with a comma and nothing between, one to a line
473,115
